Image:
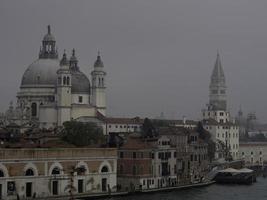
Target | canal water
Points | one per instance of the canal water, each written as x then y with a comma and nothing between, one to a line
257,191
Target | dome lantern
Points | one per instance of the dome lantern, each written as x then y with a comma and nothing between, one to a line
73,61
48,48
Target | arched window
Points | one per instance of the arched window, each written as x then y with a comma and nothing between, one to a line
56,171
81,170
64,80
102,81
2,173
104,169
29,172
68,80
34,109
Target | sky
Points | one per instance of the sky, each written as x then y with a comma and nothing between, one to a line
158,55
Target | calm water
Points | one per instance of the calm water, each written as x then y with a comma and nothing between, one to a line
257,191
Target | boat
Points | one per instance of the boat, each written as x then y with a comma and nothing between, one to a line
235,176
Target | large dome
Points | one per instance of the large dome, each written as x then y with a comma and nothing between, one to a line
80,82
41,72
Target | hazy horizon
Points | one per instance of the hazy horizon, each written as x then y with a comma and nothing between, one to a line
158,55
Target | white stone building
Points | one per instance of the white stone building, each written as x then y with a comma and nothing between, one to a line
53,91
253,153
216,118
122,125
30,173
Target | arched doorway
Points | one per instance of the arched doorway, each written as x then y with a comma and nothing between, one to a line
29,172
104,181
55,184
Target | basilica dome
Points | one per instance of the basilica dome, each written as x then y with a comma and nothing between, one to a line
41,72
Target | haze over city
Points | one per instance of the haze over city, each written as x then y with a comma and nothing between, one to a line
158,55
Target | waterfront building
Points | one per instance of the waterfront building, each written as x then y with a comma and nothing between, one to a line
146,163
135,164
53,91
253,153
59,172
216,117
176,157
191,153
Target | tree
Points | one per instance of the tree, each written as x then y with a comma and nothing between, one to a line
161,123
148,129
82,134
225,150
206,136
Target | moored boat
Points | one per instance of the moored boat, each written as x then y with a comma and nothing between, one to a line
234,176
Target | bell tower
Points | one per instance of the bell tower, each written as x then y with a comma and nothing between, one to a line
64,91
99,86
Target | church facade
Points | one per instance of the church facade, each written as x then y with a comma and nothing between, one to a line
55,90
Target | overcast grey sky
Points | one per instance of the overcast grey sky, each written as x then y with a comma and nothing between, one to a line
158,54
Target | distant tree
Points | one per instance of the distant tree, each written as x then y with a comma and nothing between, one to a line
148,129
114,140
206,136
226,151
160,123
260,137
82,134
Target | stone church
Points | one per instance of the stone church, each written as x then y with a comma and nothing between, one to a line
55,90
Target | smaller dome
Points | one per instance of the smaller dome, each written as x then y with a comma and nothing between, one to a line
98,62
64,61
80,82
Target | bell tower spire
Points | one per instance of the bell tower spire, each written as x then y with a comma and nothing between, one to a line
218,87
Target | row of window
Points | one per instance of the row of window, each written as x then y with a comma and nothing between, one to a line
217,91
198,157
64,81
215,113
161,155
124,126
100,82
56,171
251,153
164,143
223,127
234,135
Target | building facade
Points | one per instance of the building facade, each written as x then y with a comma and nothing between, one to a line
176,157
44,172
253,153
